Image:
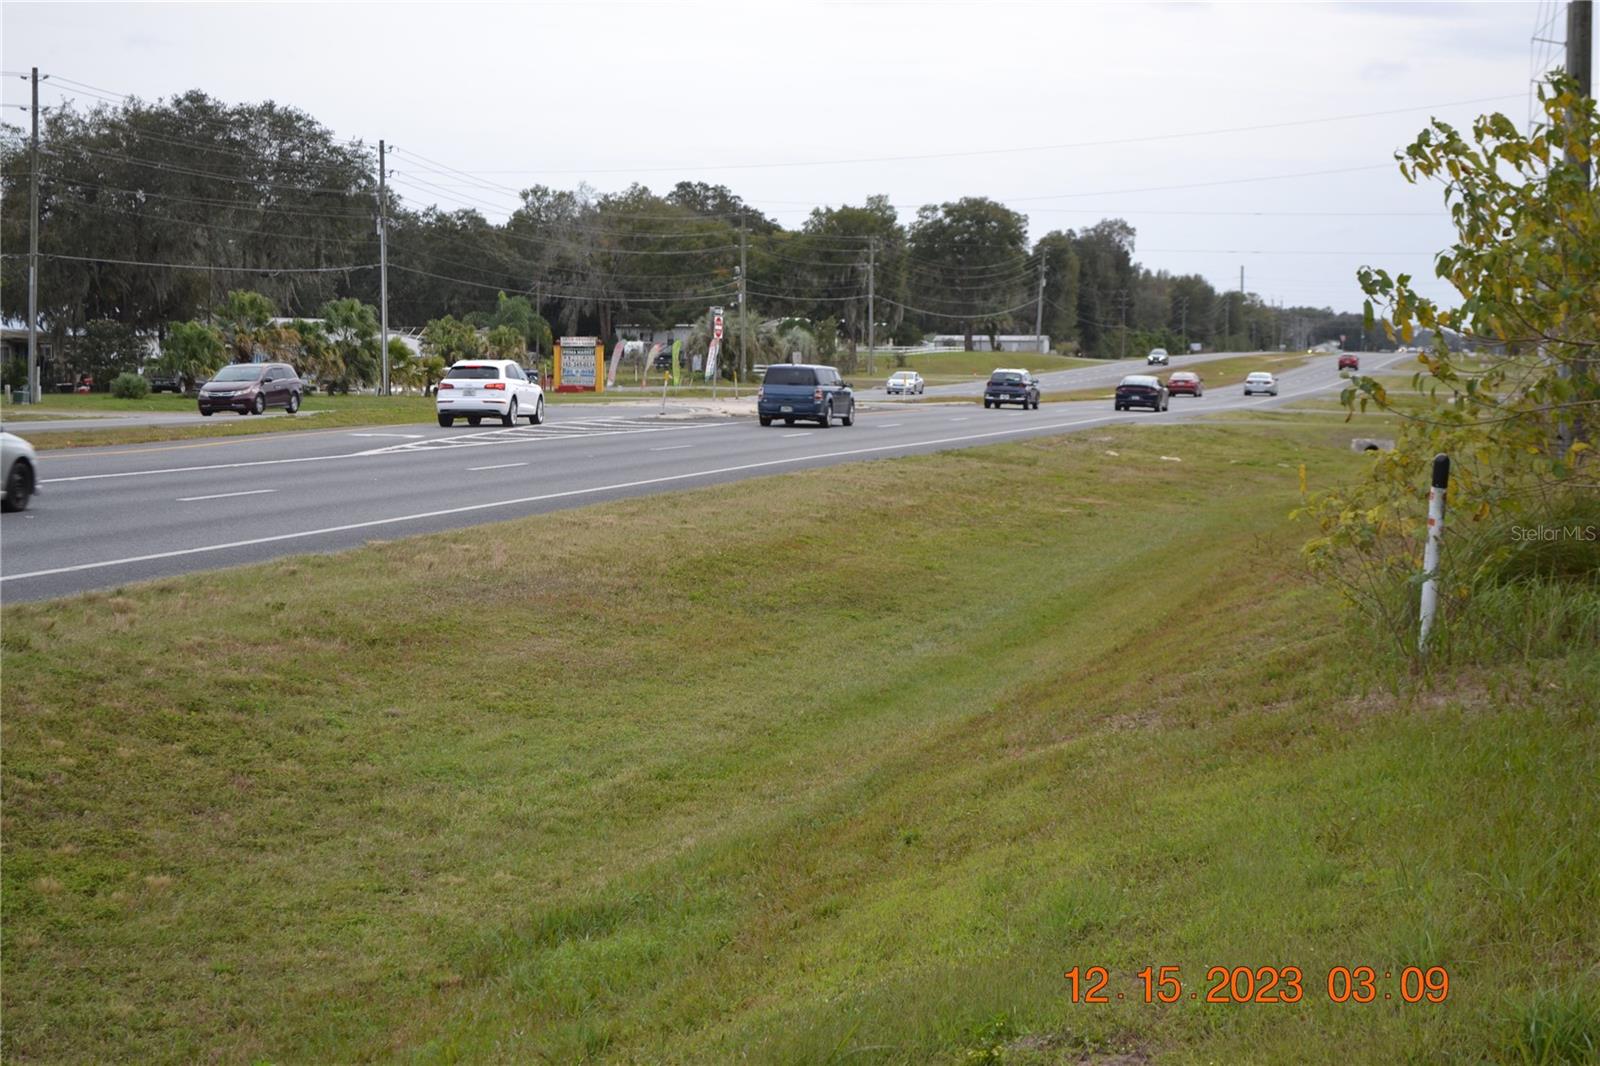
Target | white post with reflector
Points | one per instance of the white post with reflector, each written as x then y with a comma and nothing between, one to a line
1430,553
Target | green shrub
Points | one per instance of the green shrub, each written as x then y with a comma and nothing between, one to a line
128,386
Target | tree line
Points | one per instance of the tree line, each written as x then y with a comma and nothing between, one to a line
154,215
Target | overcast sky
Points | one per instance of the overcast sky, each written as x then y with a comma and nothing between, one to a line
797,104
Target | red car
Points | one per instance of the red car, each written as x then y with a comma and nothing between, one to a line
1349,361
1185,383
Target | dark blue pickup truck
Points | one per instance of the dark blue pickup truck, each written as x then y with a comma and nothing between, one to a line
797,390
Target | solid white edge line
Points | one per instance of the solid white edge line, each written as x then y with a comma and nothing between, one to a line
224,495
568,494
497,466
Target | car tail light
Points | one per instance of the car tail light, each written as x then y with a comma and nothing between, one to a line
817,395
496,385
445,385
761,393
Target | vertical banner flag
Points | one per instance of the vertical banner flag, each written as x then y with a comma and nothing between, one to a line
650,359
677,350
611,374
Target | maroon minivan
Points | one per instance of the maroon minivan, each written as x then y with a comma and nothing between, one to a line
251,388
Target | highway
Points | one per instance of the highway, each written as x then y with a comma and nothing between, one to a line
110,516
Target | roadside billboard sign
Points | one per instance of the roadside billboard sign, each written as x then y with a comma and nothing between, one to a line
578,362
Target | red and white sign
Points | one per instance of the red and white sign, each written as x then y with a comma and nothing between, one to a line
716,323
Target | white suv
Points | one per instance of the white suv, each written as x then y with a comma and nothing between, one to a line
1260,381
474,388
1157,357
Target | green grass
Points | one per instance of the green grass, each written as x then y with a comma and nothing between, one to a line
292,814
324,412
948,368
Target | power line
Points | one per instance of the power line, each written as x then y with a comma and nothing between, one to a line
209,266
968,315
1103,143
614,297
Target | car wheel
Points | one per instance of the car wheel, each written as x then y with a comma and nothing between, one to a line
294,403
204,413
1118,406
260,406
19,486
765,420
788,421
447,421
510,417
537,418
474,420
849,418
986,405
827,416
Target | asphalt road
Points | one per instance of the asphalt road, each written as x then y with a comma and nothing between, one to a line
1084,377
106,517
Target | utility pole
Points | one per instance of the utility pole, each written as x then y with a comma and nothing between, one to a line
1580,51
872,266
1038,313
1580,65
383,267
33,250
1183,310
1122,304
744,317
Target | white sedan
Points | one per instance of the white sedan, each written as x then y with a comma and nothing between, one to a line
1260,381
21,471
498,388
904,381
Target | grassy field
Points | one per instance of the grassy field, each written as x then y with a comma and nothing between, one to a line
948,368
322,412
649,801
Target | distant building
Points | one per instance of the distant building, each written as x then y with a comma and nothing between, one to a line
1005,342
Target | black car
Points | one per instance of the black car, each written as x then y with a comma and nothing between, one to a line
1011,386
795,390
251,388
164,382
1142,390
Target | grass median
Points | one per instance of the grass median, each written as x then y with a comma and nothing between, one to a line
319,412
845,765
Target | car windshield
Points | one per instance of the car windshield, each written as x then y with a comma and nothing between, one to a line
1260,377
479,373
1182,377
239,372
1139,380
901,377
790,375
1005,379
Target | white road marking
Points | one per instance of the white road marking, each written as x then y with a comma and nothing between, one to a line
797,434
407,436
497,466
671,447
224,495
523,436
545,497
962,419
889,425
